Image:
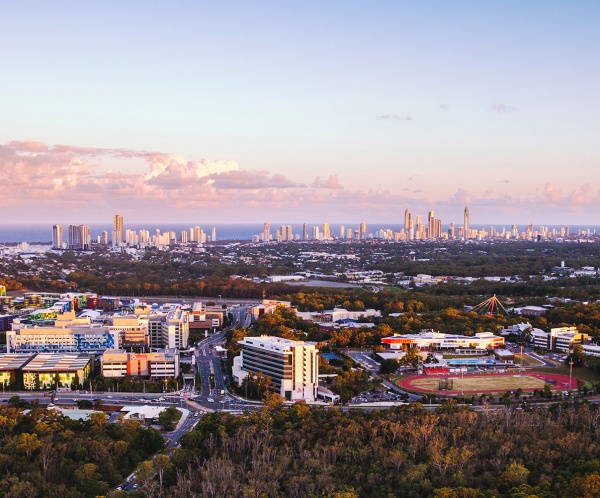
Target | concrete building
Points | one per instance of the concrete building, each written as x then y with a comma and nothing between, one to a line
57,237
292,365
430,340
132,329
47,370
159,364
533,311
118,230
558,339
203,318
79,237
11,374
268,307
88,339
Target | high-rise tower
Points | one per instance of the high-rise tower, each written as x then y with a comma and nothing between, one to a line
362,230
118,231
57,238
267,232
467,233
79,237
407,220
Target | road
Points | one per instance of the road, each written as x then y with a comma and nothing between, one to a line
208,362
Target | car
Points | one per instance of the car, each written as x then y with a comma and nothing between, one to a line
222,401
210,400
135,486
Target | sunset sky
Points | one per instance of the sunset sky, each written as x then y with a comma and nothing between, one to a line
296,112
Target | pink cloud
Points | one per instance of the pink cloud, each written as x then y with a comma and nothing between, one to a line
331,182
251,180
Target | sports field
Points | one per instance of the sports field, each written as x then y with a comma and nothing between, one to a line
488,383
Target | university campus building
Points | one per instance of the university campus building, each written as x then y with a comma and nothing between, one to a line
431,340
292,365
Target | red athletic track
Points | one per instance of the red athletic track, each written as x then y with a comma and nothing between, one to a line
561,382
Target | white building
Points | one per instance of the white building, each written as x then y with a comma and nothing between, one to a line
88,339
292,365
558,339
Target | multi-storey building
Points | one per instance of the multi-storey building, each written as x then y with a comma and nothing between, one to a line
88,339
266,235
160,364
558,339
293,366
118,230
132,330
79,237
169,330
57,237
176,330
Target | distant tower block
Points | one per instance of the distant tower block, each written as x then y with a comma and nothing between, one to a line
467,233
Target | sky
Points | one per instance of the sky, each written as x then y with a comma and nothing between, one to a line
291,112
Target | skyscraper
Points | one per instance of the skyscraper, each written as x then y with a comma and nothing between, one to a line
467,233
407,220
326,231
57,238
431,225
79,237
213,235
362,231
118,231
266,232
304,232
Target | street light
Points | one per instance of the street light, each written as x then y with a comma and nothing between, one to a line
570,374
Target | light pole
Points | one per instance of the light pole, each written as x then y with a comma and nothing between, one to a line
521,357
570,374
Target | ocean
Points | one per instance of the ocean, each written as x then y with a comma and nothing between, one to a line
42,233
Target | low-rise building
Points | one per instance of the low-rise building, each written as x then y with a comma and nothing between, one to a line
61,370
11,374
431,340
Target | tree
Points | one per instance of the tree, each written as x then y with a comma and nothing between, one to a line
388,366
411,358
577,355
161,463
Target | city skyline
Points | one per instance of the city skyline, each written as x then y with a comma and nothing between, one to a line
336,111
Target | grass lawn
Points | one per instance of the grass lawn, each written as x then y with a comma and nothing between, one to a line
483,384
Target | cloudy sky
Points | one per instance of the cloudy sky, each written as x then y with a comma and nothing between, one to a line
300,111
